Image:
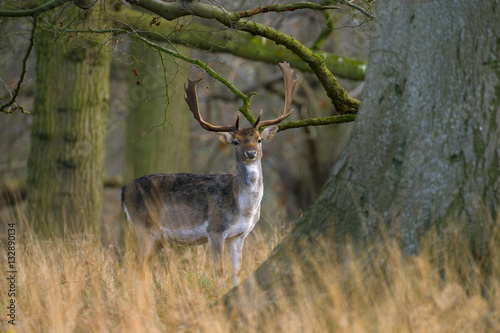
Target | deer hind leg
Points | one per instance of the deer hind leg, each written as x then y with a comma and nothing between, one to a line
216,244
235,249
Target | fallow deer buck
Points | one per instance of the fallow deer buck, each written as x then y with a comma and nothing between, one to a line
191,209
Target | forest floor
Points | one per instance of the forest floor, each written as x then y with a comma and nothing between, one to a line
79,285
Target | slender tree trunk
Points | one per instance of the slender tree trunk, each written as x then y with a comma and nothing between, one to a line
158,123
424,148
66,163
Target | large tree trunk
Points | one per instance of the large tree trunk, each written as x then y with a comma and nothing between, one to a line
424,148
158,123
66,162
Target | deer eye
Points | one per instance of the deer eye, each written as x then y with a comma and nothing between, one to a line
260,140
235,143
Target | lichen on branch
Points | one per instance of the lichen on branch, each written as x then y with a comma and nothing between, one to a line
343,118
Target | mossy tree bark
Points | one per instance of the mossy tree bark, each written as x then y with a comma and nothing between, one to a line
424,148
66,162
157,139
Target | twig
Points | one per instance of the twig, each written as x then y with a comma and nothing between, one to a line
33,11
13,98
362,10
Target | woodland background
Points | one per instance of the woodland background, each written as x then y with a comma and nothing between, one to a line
384,220
144,141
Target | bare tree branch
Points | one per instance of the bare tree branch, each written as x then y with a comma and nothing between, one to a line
284,8
358,8
11,105
33,11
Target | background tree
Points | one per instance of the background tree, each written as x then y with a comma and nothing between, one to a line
66,161
158,123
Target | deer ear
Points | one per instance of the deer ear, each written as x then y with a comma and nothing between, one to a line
268,132
225,137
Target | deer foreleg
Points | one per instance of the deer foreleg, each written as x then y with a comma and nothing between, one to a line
216,244
235,249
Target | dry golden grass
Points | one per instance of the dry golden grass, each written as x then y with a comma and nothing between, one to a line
78,286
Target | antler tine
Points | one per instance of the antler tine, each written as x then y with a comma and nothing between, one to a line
256,124
290,83
192,101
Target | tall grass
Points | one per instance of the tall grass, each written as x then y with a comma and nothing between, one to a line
76,285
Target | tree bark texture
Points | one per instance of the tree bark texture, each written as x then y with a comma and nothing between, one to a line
66,162
158,121
424,151
425,148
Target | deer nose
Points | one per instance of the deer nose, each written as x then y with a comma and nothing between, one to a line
250,153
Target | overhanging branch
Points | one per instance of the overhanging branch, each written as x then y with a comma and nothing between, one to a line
343,118
170,11
234,42
284,8
244,109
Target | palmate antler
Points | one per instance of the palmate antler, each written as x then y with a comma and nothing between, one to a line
192,101
290,83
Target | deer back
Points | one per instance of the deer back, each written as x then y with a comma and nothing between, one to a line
177,202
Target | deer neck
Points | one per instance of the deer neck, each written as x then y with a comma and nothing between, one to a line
249,177
250,189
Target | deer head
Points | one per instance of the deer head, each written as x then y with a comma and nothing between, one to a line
247,142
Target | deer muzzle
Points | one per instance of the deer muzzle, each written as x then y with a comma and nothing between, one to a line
250,154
